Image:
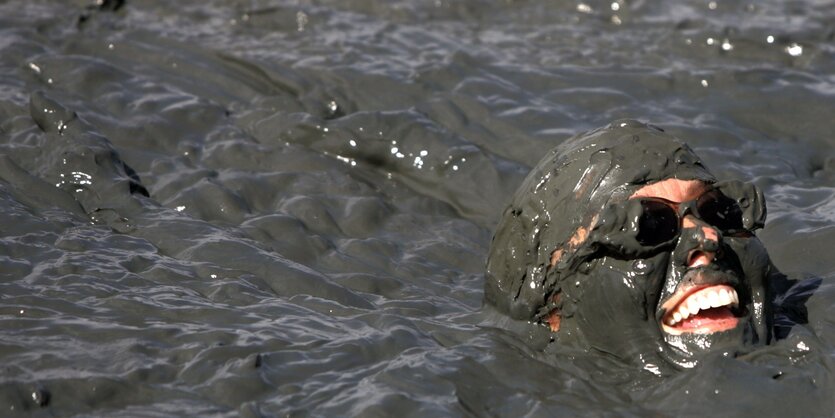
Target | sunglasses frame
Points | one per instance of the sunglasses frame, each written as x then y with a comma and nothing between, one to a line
618,226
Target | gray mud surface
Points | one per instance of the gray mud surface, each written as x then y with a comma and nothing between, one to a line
253,208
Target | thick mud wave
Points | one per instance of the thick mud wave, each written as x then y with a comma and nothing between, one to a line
264,208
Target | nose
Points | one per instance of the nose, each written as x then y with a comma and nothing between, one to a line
708,239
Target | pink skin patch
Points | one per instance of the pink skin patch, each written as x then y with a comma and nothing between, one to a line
678,318
674,190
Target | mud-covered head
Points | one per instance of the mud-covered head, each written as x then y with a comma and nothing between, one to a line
621,240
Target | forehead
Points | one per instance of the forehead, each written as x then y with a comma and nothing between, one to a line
674,190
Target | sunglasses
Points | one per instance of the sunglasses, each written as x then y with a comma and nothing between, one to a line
661,220
733,207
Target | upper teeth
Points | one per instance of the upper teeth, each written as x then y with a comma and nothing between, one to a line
711,297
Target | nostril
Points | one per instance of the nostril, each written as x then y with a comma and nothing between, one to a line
699,258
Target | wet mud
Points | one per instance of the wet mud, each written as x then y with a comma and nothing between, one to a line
286,208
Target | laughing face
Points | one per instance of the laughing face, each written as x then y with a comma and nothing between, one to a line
704,300
621,241
686,250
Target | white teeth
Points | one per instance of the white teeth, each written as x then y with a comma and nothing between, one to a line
693,305
703,299
704,303
724,297
713,298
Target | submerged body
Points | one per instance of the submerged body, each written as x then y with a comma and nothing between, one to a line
621,241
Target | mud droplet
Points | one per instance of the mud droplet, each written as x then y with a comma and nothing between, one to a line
794,50
642,266
301,21
40,397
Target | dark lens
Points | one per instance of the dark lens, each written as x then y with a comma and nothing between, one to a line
658,223
720,211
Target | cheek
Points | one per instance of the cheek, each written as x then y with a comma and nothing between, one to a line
614,306
625,289
753,258
646,279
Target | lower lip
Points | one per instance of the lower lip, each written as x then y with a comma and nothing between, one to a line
705,322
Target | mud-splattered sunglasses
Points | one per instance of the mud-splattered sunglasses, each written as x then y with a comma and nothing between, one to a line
733,207
661,220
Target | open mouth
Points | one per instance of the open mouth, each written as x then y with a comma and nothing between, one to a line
701,310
